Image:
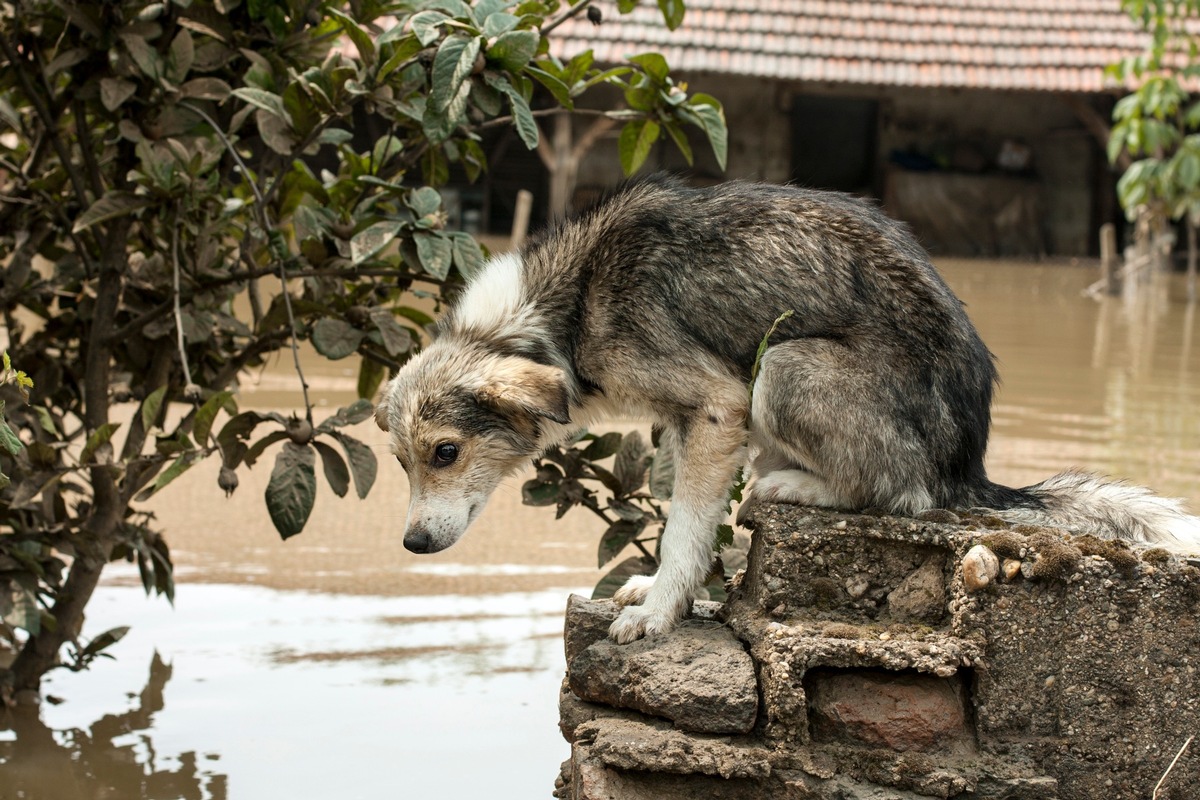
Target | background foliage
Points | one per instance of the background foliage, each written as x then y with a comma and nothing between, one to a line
1158,124
186,189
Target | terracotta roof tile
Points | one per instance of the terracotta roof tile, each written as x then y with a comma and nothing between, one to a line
1052,45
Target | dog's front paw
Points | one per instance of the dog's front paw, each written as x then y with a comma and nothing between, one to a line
634,591
634,622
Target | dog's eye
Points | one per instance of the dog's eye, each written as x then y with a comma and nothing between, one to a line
445,454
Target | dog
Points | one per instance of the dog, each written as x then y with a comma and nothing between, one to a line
874,393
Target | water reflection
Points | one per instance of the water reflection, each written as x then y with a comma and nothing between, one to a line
1111,386
298,691
115,758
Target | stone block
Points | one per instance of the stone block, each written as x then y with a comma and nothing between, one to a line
699,676
901,712
650,746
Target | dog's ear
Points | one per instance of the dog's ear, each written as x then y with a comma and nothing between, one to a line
381,416
536,388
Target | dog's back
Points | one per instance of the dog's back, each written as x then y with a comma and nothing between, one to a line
683,283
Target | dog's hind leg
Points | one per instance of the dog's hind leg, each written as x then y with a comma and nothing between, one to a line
828,432
710,448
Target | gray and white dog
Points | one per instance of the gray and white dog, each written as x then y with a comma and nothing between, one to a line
875,392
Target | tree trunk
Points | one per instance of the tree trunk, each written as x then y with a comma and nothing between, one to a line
95,541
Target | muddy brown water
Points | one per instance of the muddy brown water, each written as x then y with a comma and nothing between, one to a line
337,664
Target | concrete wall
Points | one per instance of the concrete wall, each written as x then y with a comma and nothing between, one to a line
868,658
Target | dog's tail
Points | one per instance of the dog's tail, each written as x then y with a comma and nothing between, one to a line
1080,502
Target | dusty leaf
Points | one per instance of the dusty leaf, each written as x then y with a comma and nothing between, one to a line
292,489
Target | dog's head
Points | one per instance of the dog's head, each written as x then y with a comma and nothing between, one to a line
460,420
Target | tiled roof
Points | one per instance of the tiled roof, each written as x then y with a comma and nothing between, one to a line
1051,45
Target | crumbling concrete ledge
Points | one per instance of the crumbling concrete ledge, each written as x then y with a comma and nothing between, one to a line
857,658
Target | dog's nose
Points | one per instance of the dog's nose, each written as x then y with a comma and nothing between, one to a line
417,541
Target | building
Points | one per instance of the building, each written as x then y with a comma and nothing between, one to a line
979,122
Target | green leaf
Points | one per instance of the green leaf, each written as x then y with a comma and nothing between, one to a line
336,471
151,406
370,375
292,489
662,472
180,56
620,574
99,436
523,118
762,349
8,438
615,539
435,253
424,201
177,468
262,99
396,338
513,50
115,203
22,611
625,6
540,493
680,139
371,240
352,414
427,26
255,451
404,51
577,67
630,465
104,641
335,338
602,447
560,90
276,132
207,414
363,464
711,117
453,63
115,91
724,537
498,23
361,38
467,255
654,65
672,11
206,89
637,137
145,56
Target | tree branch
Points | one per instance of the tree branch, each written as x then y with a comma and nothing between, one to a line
48,119
564,16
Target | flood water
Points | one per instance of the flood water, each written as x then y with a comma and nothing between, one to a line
337,664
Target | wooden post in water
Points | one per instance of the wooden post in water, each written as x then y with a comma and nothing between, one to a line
521,218
1110,262
1191,259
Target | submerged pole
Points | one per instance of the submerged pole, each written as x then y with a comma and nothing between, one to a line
1109,260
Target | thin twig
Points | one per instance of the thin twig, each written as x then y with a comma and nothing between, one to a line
563,17
260,211
146,317
179,338
1158,785
541,112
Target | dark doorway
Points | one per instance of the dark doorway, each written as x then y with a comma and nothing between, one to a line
834,143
